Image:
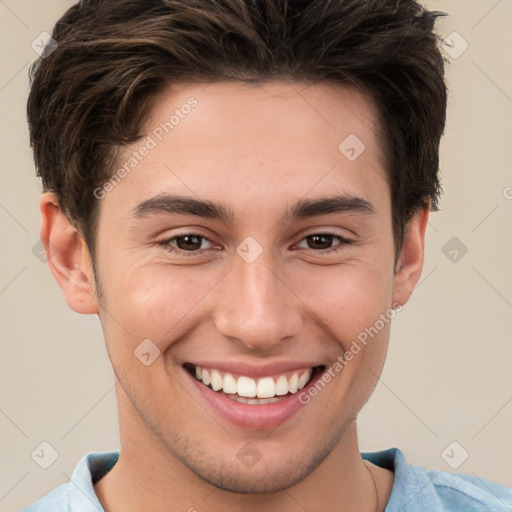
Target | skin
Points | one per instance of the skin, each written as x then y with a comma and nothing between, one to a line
257,149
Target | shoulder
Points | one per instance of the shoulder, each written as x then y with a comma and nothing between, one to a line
56,500
419,489
471,492
78,494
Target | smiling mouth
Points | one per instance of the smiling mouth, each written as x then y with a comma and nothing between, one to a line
246,390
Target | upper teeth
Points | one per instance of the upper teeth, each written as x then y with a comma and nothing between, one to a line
266,387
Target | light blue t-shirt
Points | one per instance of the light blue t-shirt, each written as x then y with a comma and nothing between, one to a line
414,488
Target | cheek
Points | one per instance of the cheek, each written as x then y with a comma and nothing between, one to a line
351,304
156,302
347,299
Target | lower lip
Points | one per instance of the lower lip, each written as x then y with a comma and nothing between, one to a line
265,416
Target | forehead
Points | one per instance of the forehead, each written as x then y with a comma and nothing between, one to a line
295,109
270,142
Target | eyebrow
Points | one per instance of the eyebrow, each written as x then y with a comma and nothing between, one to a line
302,209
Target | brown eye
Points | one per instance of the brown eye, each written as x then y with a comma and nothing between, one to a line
322,243
188,242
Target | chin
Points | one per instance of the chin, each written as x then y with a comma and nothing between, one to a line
251,480
267,475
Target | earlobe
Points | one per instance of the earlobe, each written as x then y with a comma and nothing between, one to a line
410,262
67,256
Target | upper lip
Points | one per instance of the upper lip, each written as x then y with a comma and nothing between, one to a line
255,370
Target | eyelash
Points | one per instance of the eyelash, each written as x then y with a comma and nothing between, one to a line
166,244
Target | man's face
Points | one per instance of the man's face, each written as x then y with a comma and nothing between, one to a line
259,297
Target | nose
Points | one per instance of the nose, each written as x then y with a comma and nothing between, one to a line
257,306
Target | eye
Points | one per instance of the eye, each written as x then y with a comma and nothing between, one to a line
322,242
187,244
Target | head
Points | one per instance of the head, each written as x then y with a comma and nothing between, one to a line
258,110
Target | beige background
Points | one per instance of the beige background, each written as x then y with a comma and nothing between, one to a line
448,372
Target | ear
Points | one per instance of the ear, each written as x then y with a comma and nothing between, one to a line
67,256
410,262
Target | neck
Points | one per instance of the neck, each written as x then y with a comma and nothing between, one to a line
147,476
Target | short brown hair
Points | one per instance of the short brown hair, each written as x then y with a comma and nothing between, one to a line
89,97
